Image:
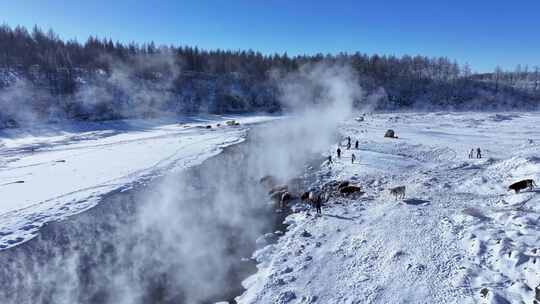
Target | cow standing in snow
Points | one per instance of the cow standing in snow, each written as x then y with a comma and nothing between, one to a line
523,184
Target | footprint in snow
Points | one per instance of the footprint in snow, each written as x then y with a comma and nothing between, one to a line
362,278
416,269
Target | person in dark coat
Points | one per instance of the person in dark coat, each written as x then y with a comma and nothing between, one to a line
330,159
348,145
356,145
353,158
338,153
318,204
478,153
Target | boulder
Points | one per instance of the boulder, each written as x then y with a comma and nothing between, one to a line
390,133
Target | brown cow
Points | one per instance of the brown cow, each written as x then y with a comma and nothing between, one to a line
285,198
276,196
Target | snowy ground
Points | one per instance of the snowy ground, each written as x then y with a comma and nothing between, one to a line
54,171
458,237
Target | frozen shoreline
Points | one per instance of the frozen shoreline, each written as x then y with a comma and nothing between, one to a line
50,174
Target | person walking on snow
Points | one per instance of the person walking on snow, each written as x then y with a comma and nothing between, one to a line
478,153
349,145
329,159
338,153
356,145
353,158
318,204
471,154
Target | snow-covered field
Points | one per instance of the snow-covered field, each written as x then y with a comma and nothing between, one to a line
459,236
54,171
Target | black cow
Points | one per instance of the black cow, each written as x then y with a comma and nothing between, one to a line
523,184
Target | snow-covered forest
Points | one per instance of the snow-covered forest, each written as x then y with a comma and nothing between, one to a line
47,79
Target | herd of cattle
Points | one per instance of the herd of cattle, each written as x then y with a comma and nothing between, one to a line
284,193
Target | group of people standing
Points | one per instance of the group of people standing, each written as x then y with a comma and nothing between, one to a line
478,153
353,157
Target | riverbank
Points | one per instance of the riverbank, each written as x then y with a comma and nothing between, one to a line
184,237
459,236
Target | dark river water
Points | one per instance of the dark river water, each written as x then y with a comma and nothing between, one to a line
182,238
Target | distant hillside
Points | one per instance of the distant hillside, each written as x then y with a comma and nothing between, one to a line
45,78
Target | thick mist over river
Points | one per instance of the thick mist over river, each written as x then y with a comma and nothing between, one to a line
181,238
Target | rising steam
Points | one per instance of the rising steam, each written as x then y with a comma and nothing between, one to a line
179,242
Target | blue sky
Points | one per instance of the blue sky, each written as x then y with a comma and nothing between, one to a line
482,33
